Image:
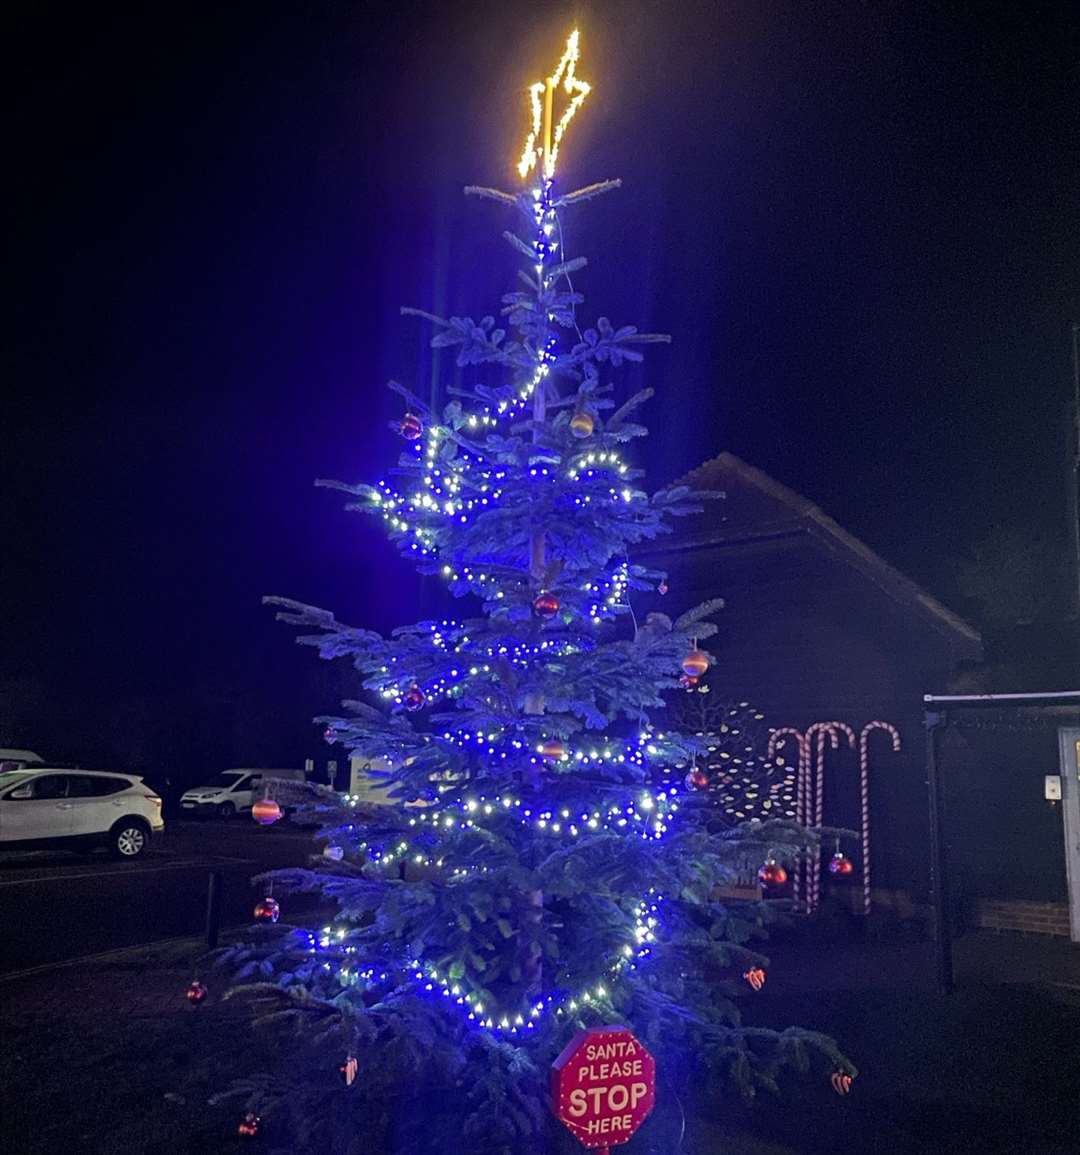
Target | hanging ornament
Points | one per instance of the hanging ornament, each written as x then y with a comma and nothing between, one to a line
546,606
349,1070
697,779
334,853
772,873
329,735
267,910
688,681
414,698
755,976
553,749
196,992
841,1082
663,587
581,424
249,1125
840,864
695,663
266,812
411,427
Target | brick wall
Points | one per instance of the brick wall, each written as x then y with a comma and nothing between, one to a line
1027,917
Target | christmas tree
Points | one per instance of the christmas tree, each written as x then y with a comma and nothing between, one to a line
541,864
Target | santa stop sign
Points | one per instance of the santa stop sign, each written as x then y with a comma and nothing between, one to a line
603,1086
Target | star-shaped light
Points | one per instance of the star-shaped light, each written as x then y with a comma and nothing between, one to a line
576,89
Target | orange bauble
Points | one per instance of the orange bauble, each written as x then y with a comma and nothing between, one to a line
581,424
411,427
249,1125
553,749
695,663
266,811
196,992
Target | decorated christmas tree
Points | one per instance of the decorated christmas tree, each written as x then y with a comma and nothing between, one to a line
542,862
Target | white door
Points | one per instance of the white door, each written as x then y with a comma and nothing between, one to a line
1070,800
93,806
242,794
36,808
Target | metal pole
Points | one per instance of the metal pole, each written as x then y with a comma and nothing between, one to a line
939,887
1073,495
213,908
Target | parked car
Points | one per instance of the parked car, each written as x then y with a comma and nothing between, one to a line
45,806
232,791
19,759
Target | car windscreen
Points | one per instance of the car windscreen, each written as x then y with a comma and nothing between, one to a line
10,777
225,779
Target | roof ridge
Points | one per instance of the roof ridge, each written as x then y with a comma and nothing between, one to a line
828,527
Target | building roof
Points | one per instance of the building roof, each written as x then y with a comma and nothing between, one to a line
780,512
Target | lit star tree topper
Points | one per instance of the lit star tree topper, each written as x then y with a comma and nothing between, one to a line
538,867
545,136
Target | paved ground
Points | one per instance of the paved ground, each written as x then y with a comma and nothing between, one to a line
57,905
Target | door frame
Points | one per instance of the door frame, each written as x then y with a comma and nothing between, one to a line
1069,746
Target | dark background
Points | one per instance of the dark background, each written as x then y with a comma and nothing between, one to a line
859,222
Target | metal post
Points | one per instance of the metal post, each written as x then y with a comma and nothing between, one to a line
213,908
939,883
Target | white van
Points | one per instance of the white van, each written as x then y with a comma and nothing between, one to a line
18,760
232,791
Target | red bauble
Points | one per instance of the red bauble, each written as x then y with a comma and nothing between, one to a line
697,780
546,606
695,663
688,681
196,992
772,874
249,1125
414,698
411,427
329,735
840,864
755,976
841,1082
266,812
662,588
267,910
553,749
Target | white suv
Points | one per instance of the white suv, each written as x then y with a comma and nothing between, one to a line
44,807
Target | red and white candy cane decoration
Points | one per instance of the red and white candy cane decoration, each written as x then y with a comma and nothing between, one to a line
864,785
776,738
824,732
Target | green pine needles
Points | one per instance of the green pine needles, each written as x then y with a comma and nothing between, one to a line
538,864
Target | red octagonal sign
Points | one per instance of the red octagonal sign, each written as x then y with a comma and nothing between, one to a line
603,1086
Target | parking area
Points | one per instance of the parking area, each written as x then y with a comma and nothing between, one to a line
56,906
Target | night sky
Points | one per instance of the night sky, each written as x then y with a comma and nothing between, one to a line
859,222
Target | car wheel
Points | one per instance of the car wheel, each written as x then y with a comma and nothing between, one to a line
226,810
129,838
